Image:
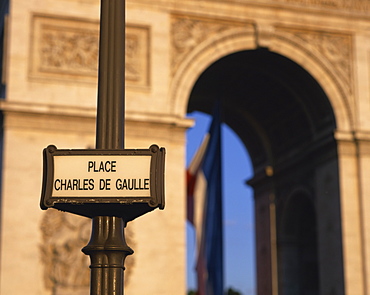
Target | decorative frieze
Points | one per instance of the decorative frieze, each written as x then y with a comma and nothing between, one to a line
359,5
351,5
66,268
68,49
344,5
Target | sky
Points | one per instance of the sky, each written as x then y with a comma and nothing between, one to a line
238,213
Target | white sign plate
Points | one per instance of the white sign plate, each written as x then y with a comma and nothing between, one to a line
101,182
101,176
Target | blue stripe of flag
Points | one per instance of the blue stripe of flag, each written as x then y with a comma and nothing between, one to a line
213,229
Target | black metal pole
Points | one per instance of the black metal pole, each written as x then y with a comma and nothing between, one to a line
111,82
107,248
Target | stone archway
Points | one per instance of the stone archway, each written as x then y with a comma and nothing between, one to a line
331,70
287,123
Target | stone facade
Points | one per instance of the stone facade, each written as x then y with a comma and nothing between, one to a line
51,80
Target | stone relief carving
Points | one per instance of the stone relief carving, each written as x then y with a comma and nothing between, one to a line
187,33
336,48
69,49
66,268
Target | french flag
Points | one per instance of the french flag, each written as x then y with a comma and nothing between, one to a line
204,210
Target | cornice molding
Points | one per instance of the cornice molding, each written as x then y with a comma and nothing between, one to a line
60,112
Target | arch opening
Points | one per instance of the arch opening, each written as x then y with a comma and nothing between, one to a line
285,120
269,101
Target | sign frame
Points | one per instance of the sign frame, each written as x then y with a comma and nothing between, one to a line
125,207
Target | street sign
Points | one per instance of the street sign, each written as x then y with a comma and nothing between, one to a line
125,183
